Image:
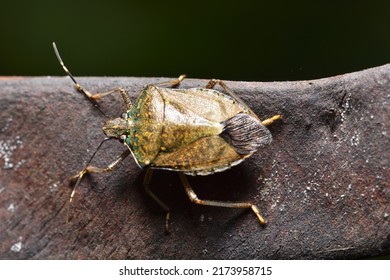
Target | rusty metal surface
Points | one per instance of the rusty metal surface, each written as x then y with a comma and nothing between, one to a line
323,184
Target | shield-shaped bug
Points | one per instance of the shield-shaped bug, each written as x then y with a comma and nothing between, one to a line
196,131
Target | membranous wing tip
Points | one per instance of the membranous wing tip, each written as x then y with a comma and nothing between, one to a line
246,134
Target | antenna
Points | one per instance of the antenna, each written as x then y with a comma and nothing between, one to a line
87,94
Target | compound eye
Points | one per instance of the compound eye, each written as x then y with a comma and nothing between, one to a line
124,116
122,138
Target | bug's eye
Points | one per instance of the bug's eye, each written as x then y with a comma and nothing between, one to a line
124,116
122,138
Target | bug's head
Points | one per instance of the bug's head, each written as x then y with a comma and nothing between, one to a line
118,128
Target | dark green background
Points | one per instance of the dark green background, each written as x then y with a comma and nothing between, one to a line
232,40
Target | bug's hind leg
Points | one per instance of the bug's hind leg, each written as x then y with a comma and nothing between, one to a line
271,120
146,183
194,198
172,83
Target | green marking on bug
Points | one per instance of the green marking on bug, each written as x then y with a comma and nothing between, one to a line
196,131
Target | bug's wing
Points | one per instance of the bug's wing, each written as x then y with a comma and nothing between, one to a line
205,155
206,103
245,133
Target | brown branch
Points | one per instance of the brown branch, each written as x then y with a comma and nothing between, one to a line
323,184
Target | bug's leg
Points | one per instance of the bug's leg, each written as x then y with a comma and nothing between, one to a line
121,91
146,183
173,83
93,169
271,120
194,198
211,84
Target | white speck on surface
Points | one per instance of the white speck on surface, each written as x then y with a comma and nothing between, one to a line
7,148
386,215
7,124
11,207
20,163
201,218
355,140
16,247
2,189
54,187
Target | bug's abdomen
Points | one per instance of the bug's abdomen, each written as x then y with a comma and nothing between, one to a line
203,156
194,145
235,139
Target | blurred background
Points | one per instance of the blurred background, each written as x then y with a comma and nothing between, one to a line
230,40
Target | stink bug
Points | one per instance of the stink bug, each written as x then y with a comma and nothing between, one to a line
196,131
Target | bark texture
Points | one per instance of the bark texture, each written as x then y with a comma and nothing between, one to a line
323,184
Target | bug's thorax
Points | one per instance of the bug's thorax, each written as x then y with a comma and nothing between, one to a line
115,128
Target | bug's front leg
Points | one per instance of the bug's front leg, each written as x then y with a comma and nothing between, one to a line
93,169
121,91
146,183
124,94
194,198
173,83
